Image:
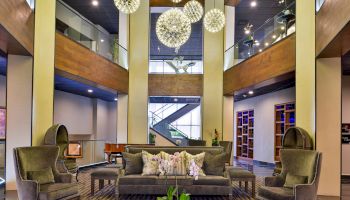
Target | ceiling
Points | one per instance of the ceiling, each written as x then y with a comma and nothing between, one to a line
75,87
267,89
105,14
256,16
3,65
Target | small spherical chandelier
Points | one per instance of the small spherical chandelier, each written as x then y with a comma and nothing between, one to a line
193,10
176,1
214,20
173,28
127,6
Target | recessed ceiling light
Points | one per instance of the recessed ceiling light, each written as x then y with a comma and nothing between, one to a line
94,2
274,36
90,91
251,92
266,44
247,32
244,95
102,40
253,4
175,99
260,50
115,99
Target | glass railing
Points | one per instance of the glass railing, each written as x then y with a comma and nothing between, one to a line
271,32
70,23
176,66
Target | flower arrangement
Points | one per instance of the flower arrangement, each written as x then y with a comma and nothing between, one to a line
165,166
215,140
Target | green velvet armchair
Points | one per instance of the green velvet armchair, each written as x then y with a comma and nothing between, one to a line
48,183
58,135
228,150
299,177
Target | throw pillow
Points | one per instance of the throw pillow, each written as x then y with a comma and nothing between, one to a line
132,163
198,159
214,164
292,180
43,176
179,167
150,164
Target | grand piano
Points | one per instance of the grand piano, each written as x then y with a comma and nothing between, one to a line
115,150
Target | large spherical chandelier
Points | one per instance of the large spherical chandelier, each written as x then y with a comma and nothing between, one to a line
193,10
214,20
127,6
173,28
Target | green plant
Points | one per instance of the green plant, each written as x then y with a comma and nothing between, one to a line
172,193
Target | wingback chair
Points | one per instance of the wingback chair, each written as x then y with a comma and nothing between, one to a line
29,160
228,149
58,135
299,177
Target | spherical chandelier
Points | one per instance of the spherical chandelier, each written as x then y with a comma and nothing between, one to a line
173,28
127,6
193,10
214,20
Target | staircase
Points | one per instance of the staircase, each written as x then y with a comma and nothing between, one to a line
168,131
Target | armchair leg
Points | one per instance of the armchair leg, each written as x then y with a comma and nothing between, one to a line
253,188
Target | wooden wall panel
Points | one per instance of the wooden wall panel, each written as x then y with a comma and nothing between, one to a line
16,27
330,20
175,85
275,61
77,60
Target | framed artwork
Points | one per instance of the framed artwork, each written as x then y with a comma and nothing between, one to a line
2,123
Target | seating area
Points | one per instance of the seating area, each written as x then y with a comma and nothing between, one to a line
174,99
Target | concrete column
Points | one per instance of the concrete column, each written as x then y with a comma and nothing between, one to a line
122,119
19,110
213,78
44,66
138,75
328,121
305,66
228,118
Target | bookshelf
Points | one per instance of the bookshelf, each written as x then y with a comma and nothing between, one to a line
284,119
245,134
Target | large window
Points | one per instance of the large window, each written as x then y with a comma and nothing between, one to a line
187,59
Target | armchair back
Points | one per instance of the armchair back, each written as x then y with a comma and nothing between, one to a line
301,162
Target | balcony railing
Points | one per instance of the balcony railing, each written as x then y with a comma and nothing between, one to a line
271,32
177,65
75,26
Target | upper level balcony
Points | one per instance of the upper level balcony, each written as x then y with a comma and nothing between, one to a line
268,34
75,26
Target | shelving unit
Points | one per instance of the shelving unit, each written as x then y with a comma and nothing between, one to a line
245,134
284,119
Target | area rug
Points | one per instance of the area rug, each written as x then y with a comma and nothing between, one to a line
107,193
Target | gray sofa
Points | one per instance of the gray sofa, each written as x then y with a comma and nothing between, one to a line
155,185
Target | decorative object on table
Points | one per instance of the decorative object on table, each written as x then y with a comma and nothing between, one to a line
175,165
215,140
193,10
127,6
177,65
214,20
173,28
58,135
2,123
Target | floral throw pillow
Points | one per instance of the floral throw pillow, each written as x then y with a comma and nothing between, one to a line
173,164
198,160
150,164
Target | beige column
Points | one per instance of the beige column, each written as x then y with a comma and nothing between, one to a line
19,110
328,121
213,78
228,118
305,65
138,74
122,119
43,72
